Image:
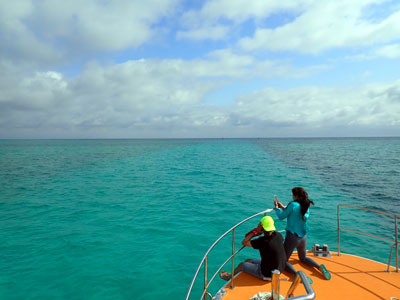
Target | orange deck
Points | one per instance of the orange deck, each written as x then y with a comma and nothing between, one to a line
353,277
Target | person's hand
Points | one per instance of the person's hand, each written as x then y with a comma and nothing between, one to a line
246,242
280,205
276,202
254,231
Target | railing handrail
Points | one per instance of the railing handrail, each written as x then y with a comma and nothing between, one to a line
215,243
395,241
369,209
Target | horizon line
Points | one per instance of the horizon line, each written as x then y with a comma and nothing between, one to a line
208,138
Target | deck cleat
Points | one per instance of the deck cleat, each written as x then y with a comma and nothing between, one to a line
323,251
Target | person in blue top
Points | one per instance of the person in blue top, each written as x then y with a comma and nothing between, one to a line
297,213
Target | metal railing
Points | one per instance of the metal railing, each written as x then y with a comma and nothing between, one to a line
232,257
395,241
300,276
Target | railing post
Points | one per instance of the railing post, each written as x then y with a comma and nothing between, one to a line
233,259
205,279
338,228
390,258
397,243
275,285
295,282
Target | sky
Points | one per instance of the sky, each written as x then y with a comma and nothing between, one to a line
199,69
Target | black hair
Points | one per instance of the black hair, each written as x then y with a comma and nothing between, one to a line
302,198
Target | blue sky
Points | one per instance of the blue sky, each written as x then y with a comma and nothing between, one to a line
181,69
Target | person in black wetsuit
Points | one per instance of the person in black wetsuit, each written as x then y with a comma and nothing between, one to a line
271,250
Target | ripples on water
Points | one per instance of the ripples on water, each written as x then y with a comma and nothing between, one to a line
128,219
366,169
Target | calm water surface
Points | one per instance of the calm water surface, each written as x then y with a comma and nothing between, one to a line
131,219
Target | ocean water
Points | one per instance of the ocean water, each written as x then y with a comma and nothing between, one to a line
131,219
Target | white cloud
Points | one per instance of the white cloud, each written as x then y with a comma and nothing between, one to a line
48,28
206,23
17,41
326,25
318,107
311,26
135,93
238,11
170,97
144,93
107,25
389,51
204,33
155,98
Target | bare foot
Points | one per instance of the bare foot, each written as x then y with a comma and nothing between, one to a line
225,275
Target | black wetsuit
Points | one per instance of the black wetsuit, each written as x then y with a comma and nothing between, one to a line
272,253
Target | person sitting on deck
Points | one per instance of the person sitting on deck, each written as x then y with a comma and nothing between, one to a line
271,249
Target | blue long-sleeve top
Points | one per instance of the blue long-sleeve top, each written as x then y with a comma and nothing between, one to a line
295,222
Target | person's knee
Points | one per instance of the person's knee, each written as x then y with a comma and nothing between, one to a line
302,257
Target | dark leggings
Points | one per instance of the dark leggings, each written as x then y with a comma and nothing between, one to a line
294,241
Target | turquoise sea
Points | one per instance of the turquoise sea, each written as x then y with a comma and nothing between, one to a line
131,219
